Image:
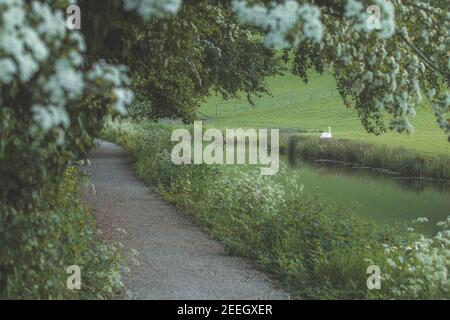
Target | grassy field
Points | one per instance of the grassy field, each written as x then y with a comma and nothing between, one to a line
313,108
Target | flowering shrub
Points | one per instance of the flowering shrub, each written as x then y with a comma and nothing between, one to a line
52,105
36,49
51,102
417,267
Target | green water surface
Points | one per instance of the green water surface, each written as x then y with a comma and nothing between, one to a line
384,198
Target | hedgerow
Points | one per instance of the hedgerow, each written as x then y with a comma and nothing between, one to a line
39,243
52,105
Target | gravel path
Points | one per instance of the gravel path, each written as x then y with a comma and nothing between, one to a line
177,259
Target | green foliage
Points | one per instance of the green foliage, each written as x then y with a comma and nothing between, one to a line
52,105
175,62
406,162
316,250
140,108
387,71
44,230
40,242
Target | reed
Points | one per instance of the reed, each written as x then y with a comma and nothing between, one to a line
406,162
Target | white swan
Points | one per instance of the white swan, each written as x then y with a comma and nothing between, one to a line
326,135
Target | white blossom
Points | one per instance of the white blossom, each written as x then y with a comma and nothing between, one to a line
123,98
353,8
153,8
281,19
50,116
8,70
387,19
27,66
28,37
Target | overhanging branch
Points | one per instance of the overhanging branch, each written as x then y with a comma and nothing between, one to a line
427,61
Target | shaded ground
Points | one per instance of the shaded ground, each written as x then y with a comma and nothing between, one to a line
177,259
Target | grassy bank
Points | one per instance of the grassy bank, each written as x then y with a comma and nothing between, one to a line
38,245
314,107
315,250
407,162
311,108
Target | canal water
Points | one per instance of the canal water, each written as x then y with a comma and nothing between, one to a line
383,196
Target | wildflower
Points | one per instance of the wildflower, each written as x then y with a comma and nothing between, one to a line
420,220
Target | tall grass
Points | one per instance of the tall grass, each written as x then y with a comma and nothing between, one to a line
406,162
38,245
315,249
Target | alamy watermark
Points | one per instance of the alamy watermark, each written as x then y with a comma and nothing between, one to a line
374,280
373,21
73,19
74,280
236,151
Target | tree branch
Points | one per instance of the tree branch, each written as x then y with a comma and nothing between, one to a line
427,61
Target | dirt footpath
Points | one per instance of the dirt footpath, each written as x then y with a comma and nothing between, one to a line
177,259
